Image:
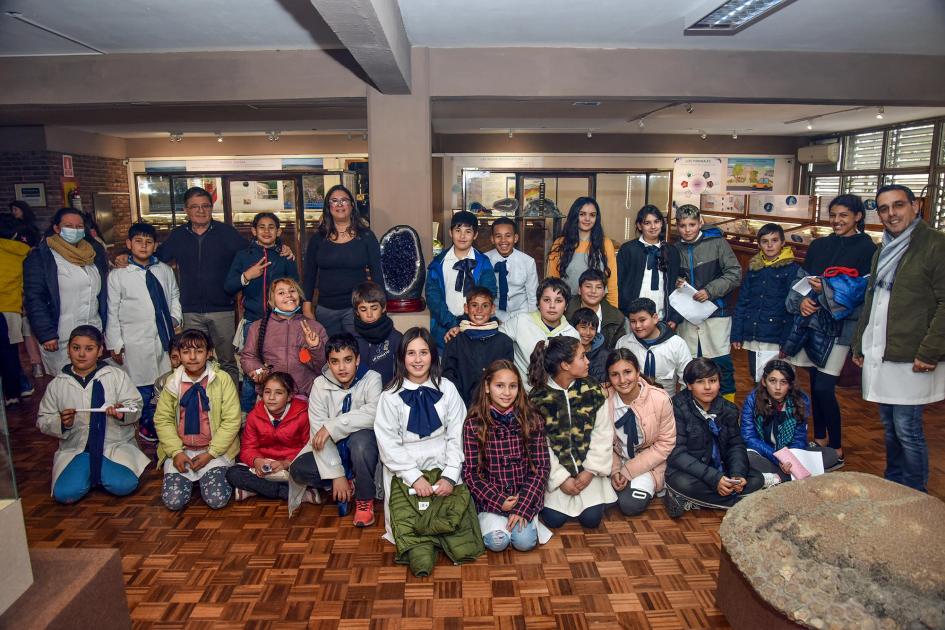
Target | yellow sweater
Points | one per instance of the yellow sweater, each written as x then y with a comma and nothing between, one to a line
12,254
583,247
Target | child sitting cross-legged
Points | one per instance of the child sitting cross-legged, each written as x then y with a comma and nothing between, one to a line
507,461
92,408
276,430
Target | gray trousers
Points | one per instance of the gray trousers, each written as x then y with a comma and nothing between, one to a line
221,327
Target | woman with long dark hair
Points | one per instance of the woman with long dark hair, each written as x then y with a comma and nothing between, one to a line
648,269
340,256
583,246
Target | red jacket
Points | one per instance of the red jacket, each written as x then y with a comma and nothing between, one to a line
261,439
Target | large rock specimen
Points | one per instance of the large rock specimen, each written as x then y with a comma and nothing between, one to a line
843,550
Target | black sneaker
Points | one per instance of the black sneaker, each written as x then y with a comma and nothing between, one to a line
674,507
840,464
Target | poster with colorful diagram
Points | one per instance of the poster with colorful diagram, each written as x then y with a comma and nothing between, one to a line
750,175
693,176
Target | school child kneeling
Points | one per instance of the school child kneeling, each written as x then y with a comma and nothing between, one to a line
507,461
645,432
579,431
709,465
276,430
419,429
197,422
92,408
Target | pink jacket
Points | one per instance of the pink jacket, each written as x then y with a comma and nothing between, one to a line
284,339
654,408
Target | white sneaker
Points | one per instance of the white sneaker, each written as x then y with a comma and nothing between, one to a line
239,494
771,479
38,371
312,495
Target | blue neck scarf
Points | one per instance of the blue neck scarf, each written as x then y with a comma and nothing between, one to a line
504,418
649,363
502,274
464,278
714,429
193,401
95,444
423,419
162,312
628,422
652,263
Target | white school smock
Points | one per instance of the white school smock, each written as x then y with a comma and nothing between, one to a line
672,357
599,460
65,392
526,330
79,287
523,283
132,321
889,382
658,295
406,454
713,336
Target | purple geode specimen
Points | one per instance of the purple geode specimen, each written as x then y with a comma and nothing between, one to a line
402,263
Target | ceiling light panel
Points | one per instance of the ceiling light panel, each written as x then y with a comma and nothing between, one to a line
733,16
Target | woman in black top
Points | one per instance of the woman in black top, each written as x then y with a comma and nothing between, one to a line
340,256
849,247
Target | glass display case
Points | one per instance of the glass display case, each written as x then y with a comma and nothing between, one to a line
744,232
777,208
8,491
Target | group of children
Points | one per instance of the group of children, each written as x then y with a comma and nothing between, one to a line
522,407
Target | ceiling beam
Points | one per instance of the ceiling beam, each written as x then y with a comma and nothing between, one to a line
373,32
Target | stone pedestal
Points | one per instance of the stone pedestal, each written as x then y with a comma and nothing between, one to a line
16,575
837,551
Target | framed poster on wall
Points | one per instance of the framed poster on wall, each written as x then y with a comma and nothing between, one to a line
693,176
33,194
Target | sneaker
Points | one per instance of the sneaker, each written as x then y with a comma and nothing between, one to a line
674,507
363,513
38,371
840,464
11,401
771,479
26,388
312,495
148,435
240,494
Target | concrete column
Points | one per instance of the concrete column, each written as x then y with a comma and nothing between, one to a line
399,149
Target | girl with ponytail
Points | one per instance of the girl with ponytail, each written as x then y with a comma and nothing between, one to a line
580,433
284,340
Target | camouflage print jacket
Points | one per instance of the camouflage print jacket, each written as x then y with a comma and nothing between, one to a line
569,418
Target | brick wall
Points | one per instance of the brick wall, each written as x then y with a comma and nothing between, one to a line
93,173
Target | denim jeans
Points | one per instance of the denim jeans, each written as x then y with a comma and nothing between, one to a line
247,385
523,538
907,455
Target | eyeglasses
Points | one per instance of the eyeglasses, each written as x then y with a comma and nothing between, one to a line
205,207
336,201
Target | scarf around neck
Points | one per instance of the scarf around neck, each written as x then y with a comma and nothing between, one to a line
489,329
781,423
375,332
80,254
890,256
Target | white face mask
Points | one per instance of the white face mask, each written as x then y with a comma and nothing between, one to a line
72,235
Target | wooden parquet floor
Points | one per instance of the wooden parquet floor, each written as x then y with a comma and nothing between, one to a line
249,566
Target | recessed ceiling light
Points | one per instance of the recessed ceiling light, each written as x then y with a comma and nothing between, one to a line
879,112
733,16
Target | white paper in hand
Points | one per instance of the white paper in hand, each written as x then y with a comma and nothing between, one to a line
802,286
694,312
813,461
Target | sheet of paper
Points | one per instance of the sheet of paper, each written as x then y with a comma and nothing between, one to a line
694,312
811,460
761,359
802,286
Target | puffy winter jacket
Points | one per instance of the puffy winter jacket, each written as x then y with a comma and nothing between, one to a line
441,319
448,523
693,451
761,444
709,263
262,439
760,313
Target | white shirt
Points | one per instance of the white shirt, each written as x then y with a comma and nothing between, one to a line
646,291
523,283
621,408
526,330
455,300
889,382
671,356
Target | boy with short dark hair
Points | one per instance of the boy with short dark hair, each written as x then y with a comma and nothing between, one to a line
477,345
585,321
592,289
762,322
453,274
341,410
662,354
378,340
709,464
516,274
143,312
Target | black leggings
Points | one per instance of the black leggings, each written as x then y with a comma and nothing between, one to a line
589,518
825,408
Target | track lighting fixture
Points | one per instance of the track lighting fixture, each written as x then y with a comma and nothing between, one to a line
589,134
273,135
688,108
810,126
641,123
734,135
176,136
703,134
219,136
879,112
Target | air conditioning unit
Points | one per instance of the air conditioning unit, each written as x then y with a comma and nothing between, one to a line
819,154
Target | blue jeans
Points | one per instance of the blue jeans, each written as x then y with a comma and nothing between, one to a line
147,409
907,455
76,480
247,385
522,539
